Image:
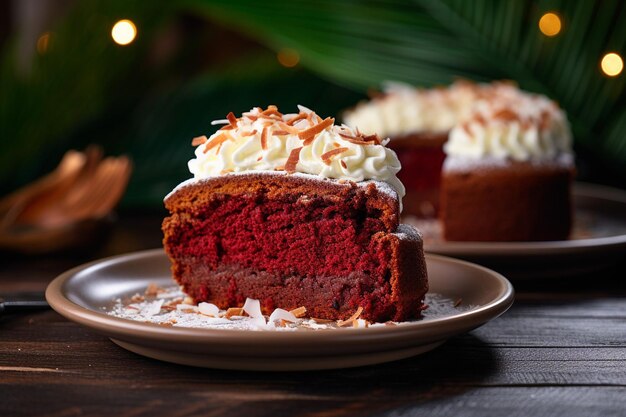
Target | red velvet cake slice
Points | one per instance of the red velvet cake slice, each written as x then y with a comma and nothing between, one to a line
295,211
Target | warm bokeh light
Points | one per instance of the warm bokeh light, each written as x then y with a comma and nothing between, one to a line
550,24
124,32
43,42
288,57
612,64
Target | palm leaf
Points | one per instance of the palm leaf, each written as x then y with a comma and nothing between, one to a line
428,42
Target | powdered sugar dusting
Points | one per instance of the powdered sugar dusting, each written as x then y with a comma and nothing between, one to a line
169,309
408,232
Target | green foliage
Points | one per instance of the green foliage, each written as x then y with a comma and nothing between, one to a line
86,89
430,42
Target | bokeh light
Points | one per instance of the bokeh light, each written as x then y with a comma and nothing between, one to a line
124,32
288,57
43,43
550,24
612,64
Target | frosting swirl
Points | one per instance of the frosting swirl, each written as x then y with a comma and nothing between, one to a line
404,109
512,125
267,140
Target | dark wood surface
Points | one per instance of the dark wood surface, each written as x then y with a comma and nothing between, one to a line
559,351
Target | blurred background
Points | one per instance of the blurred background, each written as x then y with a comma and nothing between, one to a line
142,78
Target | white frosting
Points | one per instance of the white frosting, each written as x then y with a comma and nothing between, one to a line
242,150
511,126
486,121
404,109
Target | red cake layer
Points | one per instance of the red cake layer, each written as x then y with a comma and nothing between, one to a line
288,241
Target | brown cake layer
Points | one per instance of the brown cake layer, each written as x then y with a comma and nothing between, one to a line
518,201
295,240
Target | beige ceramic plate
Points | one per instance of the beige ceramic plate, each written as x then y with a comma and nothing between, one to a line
85,293
598,240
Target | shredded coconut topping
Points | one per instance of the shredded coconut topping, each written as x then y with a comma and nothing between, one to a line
171,308
484,120
268,140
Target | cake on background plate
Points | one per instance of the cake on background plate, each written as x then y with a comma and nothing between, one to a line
418,122
508,172
293,210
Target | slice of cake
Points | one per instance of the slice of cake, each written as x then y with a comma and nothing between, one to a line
294,211
508,172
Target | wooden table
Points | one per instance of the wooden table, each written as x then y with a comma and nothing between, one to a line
559,351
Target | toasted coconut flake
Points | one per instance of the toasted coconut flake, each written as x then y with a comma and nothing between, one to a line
272,114
228,127
298,312
216,141
299,116
188,301
372,138
259,158
137,298
197,141
280,133
308,135
250,133
355,140
344,323
233,311
326,157
480,119
505,114
264,138
271,111
232,119
292,161
288,128
322,321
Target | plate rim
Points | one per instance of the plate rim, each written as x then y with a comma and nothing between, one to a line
115,327
497,249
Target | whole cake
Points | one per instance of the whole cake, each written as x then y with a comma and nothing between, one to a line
508,172
418,122
293,210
